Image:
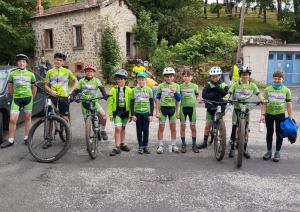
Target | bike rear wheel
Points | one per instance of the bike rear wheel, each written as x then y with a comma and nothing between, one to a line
241,134
91,138
220,140
44,146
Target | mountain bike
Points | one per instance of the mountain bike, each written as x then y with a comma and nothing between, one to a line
217,132
42,142
92,126
242,128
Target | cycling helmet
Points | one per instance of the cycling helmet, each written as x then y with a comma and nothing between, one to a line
121,74
139,61
215,70
60,55
21,57
141,74
90,66
169,70
245,69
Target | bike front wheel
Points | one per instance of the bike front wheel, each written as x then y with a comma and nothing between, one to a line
241,134
42,142
220,140
62,133
91,138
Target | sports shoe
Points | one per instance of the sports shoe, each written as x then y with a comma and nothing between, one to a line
276,157
6,144
231,153
141,150
183,148
159,150
175,149
104,135
47,144
195,149
247,154
115,152
203,145
125,148
26,141
267,156
146,150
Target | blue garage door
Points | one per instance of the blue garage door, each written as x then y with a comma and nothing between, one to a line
289,62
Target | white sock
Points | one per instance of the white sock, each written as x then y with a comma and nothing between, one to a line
103,128
173,142
160,143
25,137
11,140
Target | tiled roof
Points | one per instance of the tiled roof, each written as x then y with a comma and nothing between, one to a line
79,6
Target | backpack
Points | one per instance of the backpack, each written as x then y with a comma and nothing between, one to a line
288,127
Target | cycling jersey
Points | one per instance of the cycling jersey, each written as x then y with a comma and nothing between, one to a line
277,99
137,69
114,101
188,94
141,98
243,92
89,88
167,97
22,81
150,82
58,80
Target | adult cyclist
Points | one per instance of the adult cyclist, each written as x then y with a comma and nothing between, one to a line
139,68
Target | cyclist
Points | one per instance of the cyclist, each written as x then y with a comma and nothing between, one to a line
119,110
214,90
142,111
88,86
153,85
242,90
189,94
21,87
279,97
167,99
139,68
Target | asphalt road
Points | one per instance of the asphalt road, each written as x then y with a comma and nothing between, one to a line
167,182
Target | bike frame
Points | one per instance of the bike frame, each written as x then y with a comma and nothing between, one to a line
242,115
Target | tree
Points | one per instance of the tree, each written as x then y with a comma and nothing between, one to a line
110,51
146,33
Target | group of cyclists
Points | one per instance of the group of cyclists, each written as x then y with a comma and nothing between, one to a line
172,101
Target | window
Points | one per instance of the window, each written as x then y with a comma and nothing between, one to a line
271,56
48,33
128,46
120,3
289,56
279,56
297,56
77,34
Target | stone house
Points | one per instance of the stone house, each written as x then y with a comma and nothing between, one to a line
75,29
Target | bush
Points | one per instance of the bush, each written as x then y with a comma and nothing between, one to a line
214,8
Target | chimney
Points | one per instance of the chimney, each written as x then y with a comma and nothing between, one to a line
91,2
39,8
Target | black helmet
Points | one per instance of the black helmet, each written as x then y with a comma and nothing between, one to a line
245,69
21,57
60,55
121,74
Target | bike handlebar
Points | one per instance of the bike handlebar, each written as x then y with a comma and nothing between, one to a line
48,93
244,102
90,99
214,102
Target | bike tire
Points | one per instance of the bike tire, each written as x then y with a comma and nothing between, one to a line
100,126
1,128
91,141
62,134
36,140
241,134
220,140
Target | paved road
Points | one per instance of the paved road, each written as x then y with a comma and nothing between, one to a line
167,182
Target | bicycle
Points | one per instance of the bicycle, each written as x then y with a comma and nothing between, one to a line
92,126
242,128
218,130
42,143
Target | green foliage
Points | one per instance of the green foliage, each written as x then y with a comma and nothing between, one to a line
161,56
146,33
110,52
214,8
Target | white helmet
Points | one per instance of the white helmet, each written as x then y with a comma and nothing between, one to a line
168,70
215,70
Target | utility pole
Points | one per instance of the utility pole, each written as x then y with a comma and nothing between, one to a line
238,55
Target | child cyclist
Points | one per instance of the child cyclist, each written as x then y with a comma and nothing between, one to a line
141,105
242,90
278,96
189,93
119,110
21,87
167,99
88,86
214,90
